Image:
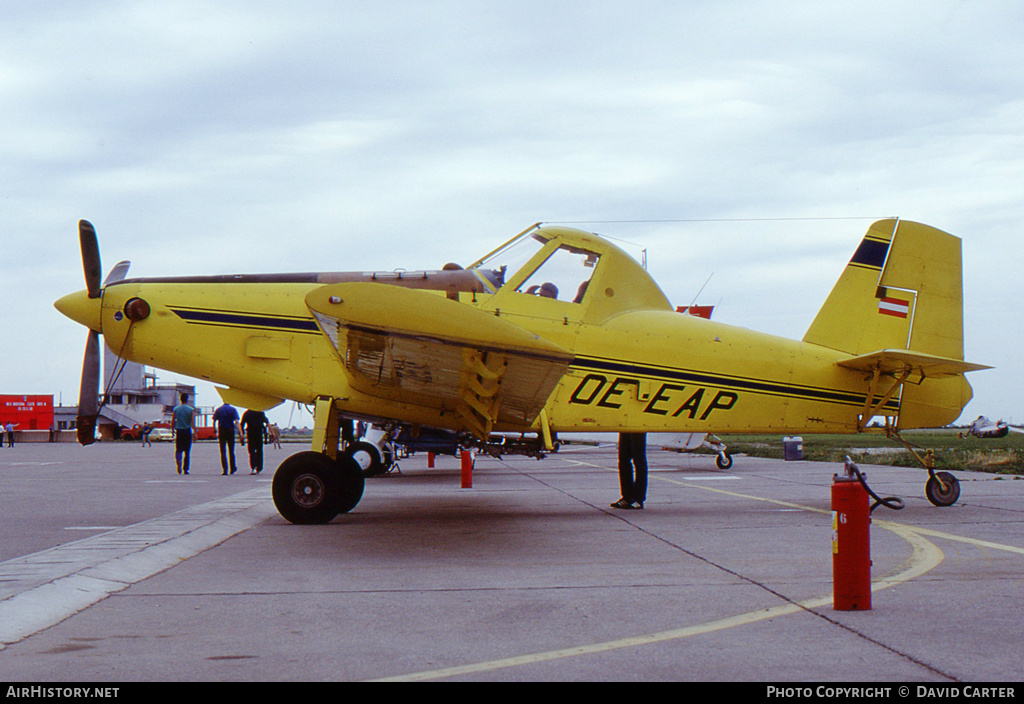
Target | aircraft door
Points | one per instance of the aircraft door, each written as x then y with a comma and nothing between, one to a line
551,299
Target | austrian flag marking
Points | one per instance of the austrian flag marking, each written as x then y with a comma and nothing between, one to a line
896,307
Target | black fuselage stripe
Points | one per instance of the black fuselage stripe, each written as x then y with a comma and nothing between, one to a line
752,385
208,317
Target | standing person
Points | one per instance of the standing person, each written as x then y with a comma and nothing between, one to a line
632,470
10,434
147,428
184,416
224,419
254,430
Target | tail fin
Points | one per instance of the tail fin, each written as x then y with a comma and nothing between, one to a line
903,290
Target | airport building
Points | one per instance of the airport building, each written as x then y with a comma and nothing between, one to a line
27,412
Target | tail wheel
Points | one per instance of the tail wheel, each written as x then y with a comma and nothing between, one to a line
311,488
943,489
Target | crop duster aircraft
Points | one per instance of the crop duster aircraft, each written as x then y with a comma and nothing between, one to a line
556,331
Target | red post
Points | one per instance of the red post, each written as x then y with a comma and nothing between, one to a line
430,460
467,469
851,548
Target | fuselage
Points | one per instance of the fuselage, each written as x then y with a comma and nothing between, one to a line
636,364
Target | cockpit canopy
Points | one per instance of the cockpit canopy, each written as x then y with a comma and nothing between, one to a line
568,265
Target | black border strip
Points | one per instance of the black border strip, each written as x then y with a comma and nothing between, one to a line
871,253
240,319
753,385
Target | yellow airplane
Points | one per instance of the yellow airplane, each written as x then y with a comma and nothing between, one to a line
556,331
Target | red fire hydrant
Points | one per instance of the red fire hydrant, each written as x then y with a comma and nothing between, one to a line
851,548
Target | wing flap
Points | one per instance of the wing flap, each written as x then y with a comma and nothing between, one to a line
416,347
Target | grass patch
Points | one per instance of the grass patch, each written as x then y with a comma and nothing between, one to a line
953,451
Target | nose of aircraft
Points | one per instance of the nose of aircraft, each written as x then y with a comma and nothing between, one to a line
82,309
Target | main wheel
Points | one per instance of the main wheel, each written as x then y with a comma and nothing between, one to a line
352,484
943,489
311,488
724,460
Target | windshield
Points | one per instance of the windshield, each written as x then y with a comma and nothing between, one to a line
564,276
498,267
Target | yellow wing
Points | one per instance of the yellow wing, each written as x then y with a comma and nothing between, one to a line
417,347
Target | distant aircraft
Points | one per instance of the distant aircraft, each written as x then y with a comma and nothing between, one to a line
602,350
982,427
690,442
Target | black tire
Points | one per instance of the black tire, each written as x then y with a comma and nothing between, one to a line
367,456
352,483
310,488
941,495
724,460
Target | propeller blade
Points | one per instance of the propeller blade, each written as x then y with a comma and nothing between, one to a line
118,273
90,257
89,392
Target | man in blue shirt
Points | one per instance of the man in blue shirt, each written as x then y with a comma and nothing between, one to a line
224,419
183,420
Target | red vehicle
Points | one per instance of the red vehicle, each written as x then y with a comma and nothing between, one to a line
204,433
135,432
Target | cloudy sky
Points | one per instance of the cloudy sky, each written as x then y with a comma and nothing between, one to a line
748,142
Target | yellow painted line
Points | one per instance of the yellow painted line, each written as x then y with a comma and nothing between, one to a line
955,538
925,557
899,528
777,502
632,642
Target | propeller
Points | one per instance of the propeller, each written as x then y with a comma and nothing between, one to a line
89,391
90,258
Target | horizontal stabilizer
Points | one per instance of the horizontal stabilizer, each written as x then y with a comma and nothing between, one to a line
900,361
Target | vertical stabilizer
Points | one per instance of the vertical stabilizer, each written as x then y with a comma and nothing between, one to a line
902,289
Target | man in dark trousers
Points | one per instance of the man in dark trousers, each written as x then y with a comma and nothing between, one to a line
184,415
632,470
254,431
224,419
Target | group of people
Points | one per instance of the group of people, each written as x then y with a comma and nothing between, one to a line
8,431
253,426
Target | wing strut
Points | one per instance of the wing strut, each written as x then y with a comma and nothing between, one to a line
872,407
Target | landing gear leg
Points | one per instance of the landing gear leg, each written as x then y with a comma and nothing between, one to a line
942,488
313,487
